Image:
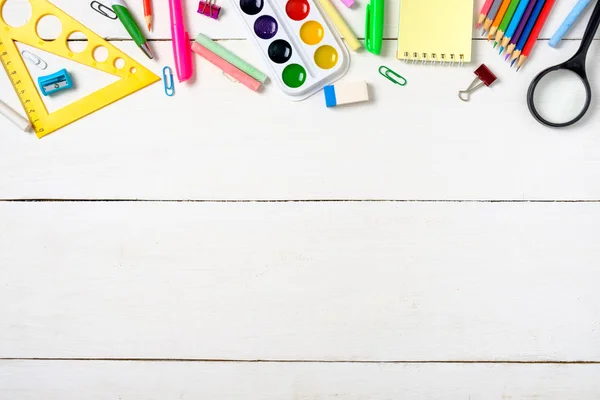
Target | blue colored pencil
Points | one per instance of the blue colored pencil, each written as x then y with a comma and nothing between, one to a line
521,28
514,24
527,32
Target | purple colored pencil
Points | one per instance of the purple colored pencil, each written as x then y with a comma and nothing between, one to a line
522,24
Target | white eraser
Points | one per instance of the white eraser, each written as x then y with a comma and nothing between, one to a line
346,93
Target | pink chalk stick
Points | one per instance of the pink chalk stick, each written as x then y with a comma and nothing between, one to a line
348,3
226,67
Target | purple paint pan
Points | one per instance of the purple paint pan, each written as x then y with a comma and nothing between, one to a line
265,27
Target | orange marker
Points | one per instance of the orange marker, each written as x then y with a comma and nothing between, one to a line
148,13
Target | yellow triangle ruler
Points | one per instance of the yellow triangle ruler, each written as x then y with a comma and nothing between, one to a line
133,75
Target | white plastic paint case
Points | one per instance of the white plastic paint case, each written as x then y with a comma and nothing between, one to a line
303,54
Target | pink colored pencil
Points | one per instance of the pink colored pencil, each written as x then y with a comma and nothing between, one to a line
226,67
483,13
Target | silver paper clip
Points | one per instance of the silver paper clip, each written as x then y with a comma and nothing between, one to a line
168,81
29,56
103,10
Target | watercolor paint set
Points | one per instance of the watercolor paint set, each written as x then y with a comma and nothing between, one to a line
300,47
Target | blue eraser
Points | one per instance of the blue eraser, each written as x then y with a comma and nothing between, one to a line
330,100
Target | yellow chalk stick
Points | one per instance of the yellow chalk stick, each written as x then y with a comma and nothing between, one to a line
341,25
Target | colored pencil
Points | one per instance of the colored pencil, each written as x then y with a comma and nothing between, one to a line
525,36
506,20
514,24
498,19
484,11
491,15
515,39
535,33
148,13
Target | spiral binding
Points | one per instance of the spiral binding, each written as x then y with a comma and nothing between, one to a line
434,58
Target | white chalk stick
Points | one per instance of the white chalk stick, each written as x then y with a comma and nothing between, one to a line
14,117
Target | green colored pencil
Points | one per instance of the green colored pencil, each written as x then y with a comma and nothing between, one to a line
506,20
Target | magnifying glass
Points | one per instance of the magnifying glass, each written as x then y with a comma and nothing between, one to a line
561,95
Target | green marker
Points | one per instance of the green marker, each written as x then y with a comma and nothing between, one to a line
506,20
129,23
374,26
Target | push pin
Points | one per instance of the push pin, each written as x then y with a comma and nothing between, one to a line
484,77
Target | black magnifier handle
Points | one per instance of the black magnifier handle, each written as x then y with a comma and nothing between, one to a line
589,34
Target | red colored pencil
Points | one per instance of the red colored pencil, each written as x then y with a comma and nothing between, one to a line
535,33
148,13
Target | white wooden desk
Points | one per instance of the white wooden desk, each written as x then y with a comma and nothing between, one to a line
414,247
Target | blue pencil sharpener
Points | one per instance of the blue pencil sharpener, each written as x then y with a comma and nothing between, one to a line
55,83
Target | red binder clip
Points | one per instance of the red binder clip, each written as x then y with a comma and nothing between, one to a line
484,77
209,8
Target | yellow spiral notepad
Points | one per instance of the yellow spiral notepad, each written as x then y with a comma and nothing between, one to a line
435,31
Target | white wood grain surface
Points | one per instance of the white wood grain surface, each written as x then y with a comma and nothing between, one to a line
299,381
301,281
484,262
218,140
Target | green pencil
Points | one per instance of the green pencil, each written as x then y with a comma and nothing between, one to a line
506,20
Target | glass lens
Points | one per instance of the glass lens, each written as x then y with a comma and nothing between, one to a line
560,96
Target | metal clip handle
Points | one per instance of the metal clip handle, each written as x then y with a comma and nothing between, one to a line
465,94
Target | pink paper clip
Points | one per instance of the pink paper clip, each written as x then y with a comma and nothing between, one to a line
209,8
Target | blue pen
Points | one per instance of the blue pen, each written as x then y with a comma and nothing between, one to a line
527,31
514,24
568,22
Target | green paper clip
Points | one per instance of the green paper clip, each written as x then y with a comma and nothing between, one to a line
392,76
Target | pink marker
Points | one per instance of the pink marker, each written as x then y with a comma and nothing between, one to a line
181,42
